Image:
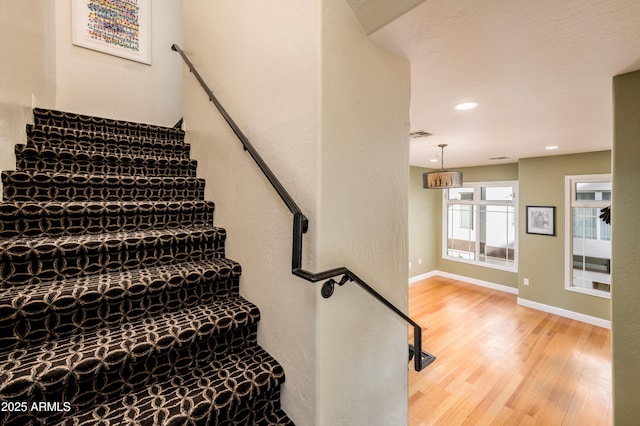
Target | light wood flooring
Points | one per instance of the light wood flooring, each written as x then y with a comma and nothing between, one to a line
503,364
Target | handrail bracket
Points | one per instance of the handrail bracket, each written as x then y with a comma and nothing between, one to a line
329,286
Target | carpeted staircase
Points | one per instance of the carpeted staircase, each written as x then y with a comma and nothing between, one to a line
117,304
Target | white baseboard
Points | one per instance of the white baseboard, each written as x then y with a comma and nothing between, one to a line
588,319
422,277
481,283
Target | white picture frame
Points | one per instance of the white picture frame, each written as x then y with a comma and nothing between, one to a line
119,27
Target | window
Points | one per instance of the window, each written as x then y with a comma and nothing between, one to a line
479,224
588,237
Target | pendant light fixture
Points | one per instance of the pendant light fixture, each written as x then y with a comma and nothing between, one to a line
442,178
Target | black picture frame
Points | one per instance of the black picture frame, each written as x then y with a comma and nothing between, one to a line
541,220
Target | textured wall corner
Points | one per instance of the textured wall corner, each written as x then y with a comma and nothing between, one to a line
625,292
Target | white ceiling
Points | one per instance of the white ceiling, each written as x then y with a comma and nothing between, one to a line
541,71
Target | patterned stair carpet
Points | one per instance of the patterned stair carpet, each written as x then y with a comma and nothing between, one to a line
117,303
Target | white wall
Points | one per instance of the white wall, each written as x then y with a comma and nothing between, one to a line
328,110
94,83
364,169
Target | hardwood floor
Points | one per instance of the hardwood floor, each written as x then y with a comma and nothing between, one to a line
503,364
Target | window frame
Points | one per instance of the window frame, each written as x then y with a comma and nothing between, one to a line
476,203
571,201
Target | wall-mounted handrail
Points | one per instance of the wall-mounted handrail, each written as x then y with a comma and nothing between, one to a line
300,226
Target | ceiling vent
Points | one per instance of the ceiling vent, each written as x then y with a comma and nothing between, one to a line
420,134
499,158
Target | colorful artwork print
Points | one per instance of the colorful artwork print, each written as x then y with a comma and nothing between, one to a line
116,27
115,22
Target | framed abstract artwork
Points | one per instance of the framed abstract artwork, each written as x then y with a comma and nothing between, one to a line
541,220
116,27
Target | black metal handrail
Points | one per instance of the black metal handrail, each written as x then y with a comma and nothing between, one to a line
301,225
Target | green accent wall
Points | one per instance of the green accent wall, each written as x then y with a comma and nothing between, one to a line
423,224
542,257
625,296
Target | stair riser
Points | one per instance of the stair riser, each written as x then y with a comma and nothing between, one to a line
64,311
18,220
96,380
75,140
103,125
50,160
27,186
22,264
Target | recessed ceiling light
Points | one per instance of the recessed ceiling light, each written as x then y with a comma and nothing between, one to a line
434,160
550,147
465,105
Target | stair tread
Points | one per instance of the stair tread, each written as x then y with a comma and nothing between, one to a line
94,153
52,115
34,312
40,364
32,173
22,205
34,260
22,219
36,129
52,136
122,236
87,289
202,396
59,186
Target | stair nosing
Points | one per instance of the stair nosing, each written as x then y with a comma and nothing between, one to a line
34,242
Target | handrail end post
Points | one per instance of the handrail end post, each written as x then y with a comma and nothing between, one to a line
298,230
417,347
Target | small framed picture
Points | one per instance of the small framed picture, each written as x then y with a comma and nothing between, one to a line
541,220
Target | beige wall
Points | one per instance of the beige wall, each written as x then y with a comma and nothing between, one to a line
542,258
26,68
261,60
625,296
328,111
94,83
362,224
40,67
